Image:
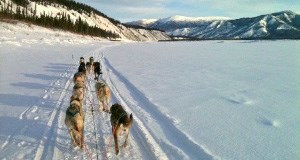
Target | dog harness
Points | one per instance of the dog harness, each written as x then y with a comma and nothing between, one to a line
122,115
72,113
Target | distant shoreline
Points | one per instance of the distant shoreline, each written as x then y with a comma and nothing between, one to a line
263,39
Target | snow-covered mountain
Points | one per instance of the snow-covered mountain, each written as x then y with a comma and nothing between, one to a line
174,22
92,18
280,25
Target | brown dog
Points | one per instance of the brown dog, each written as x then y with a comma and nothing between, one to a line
90,65
74,122
79,77
74,98
103,94
120,122
78,91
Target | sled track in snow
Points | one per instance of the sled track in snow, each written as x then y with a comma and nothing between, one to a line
139,132
173,134
40,154
40,118
55,141
105,141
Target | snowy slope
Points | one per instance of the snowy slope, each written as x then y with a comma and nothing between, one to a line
281,25
56,10
197,100
178,20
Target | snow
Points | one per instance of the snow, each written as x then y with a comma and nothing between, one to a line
181,31
144,22
272,20
192,19
93,19
177,18
190,100
222,27
285,27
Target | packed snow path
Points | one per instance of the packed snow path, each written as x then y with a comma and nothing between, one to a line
99,143
55,143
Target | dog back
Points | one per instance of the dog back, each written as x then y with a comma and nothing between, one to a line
118,115
102,89
74,115
78,105
79,77
97,68
78,90
82,68
79,85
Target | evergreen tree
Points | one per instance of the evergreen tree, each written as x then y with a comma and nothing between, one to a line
61,20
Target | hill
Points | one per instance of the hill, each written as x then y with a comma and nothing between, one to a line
75,17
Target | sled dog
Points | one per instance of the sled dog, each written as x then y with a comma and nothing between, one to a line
74,122
120,122
90,65
103,95
81,60
79,77
78,91
97,70
82,68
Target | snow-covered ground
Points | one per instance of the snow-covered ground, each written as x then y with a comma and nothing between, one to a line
190,100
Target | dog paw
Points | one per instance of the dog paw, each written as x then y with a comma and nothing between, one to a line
124,145
117,151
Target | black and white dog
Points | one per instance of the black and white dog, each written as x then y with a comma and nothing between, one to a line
120,122
81,60
97,70
82,68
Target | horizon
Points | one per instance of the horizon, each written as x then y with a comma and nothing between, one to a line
130,10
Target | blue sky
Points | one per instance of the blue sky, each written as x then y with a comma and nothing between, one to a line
130,10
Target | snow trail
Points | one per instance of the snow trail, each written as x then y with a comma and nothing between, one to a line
139,105
40,154
98,137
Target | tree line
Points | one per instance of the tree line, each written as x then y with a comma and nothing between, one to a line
20,11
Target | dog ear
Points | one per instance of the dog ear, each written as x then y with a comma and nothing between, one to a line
130,116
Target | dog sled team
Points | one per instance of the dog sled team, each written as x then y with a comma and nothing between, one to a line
74,119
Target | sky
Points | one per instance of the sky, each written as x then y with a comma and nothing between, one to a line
130,10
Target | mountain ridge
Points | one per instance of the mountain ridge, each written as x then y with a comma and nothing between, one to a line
278,25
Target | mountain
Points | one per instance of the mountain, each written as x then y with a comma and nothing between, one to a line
75,17
280,25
